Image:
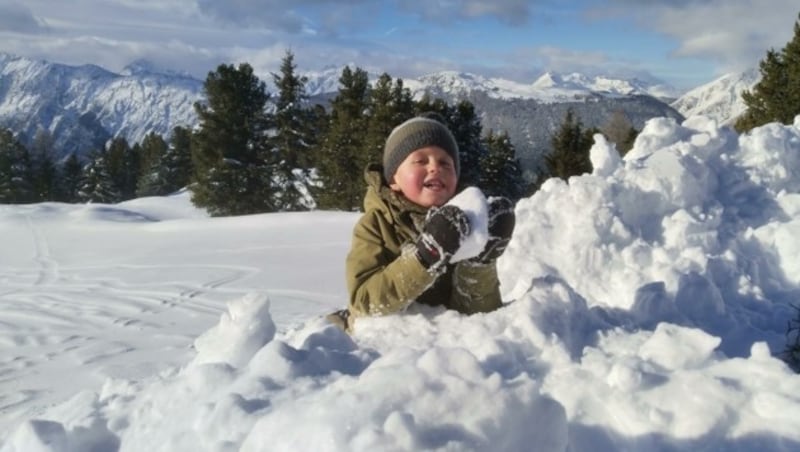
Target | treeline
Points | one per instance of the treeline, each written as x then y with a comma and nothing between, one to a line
116,173
254,152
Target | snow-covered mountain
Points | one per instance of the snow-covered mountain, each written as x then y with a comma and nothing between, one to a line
550,87
82,106
720,99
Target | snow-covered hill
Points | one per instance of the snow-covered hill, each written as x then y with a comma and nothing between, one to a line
82,106
720,99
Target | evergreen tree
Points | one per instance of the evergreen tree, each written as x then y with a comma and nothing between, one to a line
502,174
177,161
16,170
123,164
381,117
45,173
342,157
153,181
389,105
571,144
403,100
233,166
97,185
171,170
291,140
151,150
467,130
70,178
776,97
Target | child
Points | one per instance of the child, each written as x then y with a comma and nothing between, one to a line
402,244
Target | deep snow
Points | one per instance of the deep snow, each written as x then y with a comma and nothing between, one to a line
646,304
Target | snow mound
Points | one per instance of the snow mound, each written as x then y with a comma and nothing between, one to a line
645,304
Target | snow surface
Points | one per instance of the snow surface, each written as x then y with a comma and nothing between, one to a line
646,304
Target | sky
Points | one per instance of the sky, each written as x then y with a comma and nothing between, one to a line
645,305
681,42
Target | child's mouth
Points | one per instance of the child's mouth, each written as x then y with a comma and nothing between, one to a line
433,185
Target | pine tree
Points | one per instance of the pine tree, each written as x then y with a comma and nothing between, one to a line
97,185
171,170
467,130
70,177
291,140
152,178
45,173
178,160
123,164
571,144
381,117
151,151
16,170
389,105
342,157
234,168
502,174
776,97
403,101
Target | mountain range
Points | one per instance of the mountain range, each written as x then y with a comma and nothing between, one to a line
83,106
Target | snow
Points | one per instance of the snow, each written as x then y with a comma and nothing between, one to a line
473,203
646,303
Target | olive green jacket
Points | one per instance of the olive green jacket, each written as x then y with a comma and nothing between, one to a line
384,274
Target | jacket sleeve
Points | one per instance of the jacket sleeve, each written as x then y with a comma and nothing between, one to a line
380,281
476,287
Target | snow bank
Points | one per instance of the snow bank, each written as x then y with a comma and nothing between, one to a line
646,302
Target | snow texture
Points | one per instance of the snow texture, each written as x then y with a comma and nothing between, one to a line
645,306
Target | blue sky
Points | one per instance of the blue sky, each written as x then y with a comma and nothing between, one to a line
681,42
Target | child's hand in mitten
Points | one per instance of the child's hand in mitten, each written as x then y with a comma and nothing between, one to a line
501,226
444,230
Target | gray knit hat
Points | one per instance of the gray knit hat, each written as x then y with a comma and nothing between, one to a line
417,133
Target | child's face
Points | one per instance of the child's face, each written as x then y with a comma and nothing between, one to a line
427,177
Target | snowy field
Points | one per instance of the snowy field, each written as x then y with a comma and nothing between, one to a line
646,303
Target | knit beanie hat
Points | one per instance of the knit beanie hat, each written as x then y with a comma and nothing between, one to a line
417,133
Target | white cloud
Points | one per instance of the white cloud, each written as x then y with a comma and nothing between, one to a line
732,34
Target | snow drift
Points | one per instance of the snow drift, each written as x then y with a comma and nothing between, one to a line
646,304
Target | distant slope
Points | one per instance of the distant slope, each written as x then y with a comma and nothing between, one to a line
720,99
82,106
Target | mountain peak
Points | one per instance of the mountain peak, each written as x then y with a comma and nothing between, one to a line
719,99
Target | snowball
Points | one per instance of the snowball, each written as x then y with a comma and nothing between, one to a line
473,202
